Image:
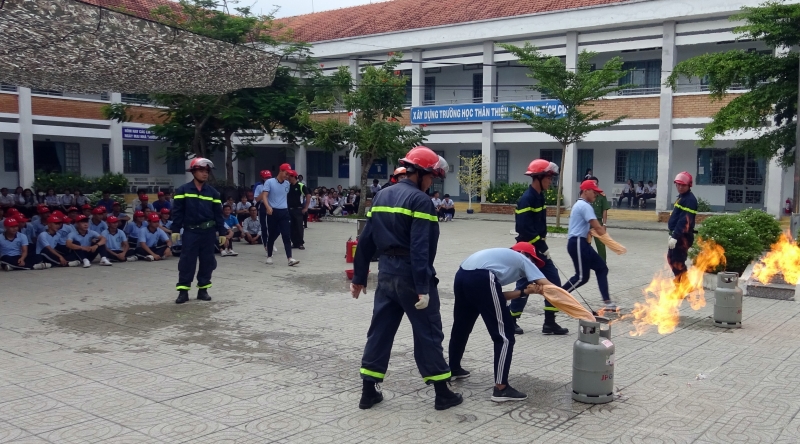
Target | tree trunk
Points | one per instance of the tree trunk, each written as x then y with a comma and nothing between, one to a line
560,187
229,158
366,163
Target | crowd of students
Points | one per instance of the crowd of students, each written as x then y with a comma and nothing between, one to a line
637,194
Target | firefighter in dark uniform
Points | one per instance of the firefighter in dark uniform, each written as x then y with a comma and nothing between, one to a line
681,225
197,209
531,226
297,200
402,226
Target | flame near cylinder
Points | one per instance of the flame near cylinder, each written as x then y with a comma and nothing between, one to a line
784,258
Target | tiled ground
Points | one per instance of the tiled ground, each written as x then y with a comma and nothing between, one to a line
104,355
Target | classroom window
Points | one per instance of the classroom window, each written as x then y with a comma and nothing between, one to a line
10,155
72,156
320,164
430,91
135,159
106,159
176,165
585,161
501,170
477,87
711,166
644,76
637,165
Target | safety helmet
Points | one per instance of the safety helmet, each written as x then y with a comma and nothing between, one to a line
200,162
398,172
43,210
138,214
165,211
153,217
98,210
10,222
112,219
266,174
541,167
54,220
684,178
527,247
423,159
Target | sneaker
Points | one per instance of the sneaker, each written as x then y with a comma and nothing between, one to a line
610,306
301,247
5,267
517,329
293,262
74,263
370,397
132,259
105,262
459,374
150,258
269,260
223,252
86,263
42,266
232,253
507,394
183,296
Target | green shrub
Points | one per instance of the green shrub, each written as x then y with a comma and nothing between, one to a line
97,195
734,234
507,193
765,226
113,183
703,206
550,196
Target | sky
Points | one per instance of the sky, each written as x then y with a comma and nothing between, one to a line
296,7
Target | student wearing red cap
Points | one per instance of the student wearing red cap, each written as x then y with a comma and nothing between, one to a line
162,202
47,243
117,242
165,222
87,244
133,228
97,224
116,211
39,221
106,201
581,220
26,228
154,244
14,249
86,210
274,199
143,203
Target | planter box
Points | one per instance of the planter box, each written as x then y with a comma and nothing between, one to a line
494,208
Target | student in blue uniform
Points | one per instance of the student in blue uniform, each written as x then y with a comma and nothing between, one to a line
116,211
27,229
681,225
39,221
262,209
87,244
579,247
274,197
47,242
166,222
96,223
162,202
154,244
478,291
134,227
117,245
402,227
106,201
234,230
14,251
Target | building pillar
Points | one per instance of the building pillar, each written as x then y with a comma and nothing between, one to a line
668,56
27,174
354,175
773,192
417,78
301,160
488,151
569,168
115,151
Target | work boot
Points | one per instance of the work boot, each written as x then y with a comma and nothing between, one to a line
517,329
550,327
444,397
183,296
202,295
369,395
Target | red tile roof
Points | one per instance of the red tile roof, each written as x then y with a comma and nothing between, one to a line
401,15
139,8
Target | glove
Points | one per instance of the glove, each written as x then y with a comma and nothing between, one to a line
672,243
176,237
545,253
423,302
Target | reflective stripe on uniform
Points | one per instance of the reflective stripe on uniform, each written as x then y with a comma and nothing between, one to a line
516,314
204,286
182,287
525,210
197,196
406,211
373,374
534,240
436,378
688,210
546,308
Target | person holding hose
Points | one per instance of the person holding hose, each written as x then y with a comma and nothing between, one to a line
601,207
681,225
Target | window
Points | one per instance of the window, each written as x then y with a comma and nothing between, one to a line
711,167
8,88
344,167
320,164
11,155
409,92
176,165
137,99
430,91
585,161
106,159
555,157
644,75
501,169
46,92
477,87
72,157
135,159
637,165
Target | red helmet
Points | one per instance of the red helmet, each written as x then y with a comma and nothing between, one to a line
424,159
526,247
165,211
10,222
54,220
542,167
398,172
98,210
43,210
153,217
138,214
112,219
684,178
266,174
200,162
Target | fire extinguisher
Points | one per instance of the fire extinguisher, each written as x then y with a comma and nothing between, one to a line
788,208
350,250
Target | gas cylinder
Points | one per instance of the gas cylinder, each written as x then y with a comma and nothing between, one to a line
350,250
728,301
593,363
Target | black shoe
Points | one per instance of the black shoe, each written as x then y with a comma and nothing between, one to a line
444,402
369,396
183,296
301,247
202,295
507,394
554,329
459,374
517,329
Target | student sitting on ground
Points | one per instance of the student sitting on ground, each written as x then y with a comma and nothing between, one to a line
87,244
26,228
133,228
86,210
117,245
106,201
143,203
243,209
97,224
39,221
448,208
154,244
47,242
232,221
14,249
165,223
251,227
232,224
162,202
116,211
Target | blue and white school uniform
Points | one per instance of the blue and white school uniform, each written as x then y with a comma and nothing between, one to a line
46,240
584,257
114,242
99,228
11,252
156,241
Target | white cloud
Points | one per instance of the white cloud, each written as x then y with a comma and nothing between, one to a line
289,8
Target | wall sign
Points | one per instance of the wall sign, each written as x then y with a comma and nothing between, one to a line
480,112
137,134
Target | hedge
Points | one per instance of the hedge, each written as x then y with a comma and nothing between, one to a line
509,193
740,241
113,183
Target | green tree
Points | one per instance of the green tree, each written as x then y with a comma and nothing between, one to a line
374,106
769,108
576,89
470,176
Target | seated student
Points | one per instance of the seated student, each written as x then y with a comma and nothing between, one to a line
133,228
97,224
437,204
26,228
14,249
448,208
116,211
243,209
230,202
314,205
165,223
7,200
143,205
47,242
73,212
639,194
154,244
79,199
106,201
649,193
87,244
162,202
117,245
39,221
251,227
52,200
26,202
232,224
67,200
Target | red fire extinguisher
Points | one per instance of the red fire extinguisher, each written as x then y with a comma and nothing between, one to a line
788,208
350,250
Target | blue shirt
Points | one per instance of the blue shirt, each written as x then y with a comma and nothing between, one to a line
114,241
13,247
166,224
231,221
106,203
158,205
132,230
102,226
580,216
152,239
38,226
85,240
64,232
259,189
507,265
277,193
46,240
142,206
30,232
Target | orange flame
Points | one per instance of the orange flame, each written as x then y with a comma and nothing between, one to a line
665,294
783,257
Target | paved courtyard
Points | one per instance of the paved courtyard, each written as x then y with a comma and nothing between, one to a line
104,355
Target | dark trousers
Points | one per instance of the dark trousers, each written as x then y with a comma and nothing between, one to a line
586,259
630,196
52,259
197,245
128,254
68,254
677,256
394,297
477,292
159,249
450,211
279,224
13,261
305,219
262,218
81,255
296,216
550,272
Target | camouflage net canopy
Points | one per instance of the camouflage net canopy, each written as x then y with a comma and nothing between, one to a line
67,45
